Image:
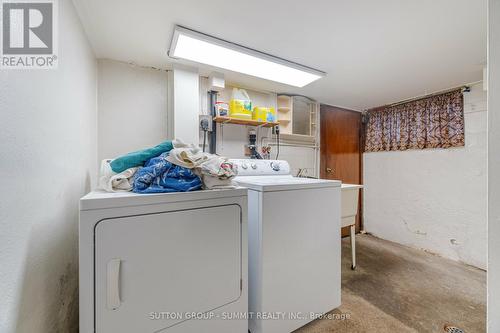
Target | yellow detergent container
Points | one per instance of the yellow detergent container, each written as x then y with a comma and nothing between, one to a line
240,105
264,114
271,115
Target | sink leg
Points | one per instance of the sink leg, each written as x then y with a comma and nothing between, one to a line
353,246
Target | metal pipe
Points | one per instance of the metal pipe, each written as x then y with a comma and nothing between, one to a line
284,144
212,146
465,88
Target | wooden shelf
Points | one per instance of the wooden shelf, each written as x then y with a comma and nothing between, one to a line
283,108
247,122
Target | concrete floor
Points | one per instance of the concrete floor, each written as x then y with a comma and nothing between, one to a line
398,289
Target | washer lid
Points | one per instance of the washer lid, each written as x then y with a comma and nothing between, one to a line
102,199
283,183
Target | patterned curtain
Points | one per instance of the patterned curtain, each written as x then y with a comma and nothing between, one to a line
432,122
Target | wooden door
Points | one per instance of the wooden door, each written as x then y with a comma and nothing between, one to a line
341,154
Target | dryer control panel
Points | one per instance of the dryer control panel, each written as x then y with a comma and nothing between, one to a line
252,167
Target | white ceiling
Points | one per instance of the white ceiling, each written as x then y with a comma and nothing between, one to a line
375,52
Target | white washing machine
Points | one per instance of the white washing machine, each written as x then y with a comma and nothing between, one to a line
294,246
173,263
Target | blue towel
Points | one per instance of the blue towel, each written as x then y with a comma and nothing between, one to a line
161,176
138,158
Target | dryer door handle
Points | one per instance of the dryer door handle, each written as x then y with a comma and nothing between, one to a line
113,284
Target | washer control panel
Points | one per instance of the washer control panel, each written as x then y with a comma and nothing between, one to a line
247,167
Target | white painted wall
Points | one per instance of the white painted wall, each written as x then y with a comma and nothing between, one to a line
48,160
494,168
183,104
434,199
132,104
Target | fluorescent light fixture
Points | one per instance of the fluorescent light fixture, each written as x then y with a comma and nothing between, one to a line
198,47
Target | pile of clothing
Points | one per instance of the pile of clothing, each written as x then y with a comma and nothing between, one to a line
172,166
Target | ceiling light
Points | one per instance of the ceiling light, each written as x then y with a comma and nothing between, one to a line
198,47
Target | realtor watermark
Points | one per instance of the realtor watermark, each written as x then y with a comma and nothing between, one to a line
211,315
29,34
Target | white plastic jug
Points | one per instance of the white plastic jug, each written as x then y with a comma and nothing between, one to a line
240,94
240,105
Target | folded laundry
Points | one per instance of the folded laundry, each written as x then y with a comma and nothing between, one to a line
115,182
188,157
161,176
171,166
213,183
217,166
138,158
215,171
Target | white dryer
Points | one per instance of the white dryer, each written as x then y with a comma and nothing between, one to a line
173,263
294,246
